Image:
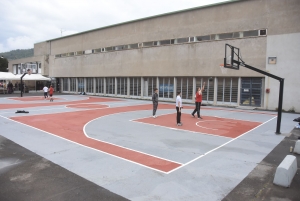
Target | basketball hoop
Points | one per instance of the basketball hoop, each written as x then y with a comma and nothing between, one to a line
223,70
29,71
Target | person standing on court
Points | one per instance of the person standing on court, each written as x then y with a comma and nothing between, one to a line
198,100
51,91
178,108
45,89
155,101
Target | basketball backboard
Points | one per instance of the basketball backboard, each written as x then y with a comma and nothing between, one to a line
232,54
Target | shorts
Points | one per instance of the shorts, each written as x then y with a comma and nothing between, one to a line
50,95
45,94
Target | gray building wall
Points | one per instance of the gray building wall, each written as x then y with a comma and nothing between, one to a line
286,48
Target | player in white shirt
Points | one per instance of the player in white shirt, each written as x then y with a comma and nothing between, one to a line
45,89
178,108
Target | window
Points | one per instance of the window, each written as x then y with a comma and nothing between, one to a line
57,55
166,87
250,33
135,86
150,85
121,47
97,50
110,85
90,85
80,85
79,52
225,35
203,38
71,54
185,86
133,46
165,42
208,93
122,86
100,85
73,84
109,49
147,44
65,84
182,40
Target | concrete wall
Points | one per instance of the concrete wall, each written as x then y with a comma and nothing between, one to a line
196,59
286,48
39,59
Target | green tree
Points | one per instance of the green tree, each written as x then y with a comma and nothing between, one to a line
3,64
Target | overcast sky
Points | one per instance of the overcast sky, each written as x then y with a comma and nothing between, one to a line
24,22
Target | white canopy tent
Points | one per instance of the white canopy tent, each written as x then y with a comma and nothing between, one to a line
33,77
8,76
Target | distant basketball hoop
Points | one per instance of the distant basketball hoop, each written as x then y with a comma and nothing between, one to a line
223,70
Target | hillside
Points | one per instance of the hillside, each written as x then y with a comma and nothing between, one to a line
17,54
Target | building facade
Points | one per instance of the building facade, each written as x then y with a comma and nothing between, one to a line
180,51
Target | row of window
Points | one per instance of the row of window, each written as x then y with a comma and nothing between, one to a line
223,36
21,68
227,88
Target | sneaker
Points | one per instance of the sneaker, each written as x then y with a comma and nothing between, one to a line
200,117
193,115
179,124
154,117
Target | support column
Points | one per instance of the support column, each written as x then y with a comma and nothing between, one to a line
104,86
116,86
84,87
239,91
142,87
94,85
175,88
215,90
194,88
76,85
128,86
69,84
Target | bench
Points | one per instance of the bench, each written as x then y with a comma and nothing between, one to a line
286,171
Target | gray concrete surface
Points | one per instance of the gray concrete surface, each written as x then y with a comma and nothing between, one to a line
209,177
258,185
25,175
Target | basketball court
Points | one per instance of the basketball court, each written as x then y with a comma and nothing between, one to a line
116,144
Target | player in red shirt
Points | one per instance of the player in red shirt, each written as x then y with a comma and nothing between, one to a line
51,91
198,100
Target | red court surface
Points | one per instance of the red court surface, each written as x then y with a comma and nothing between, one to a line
87,106
48,103
70,126
33,98
231,128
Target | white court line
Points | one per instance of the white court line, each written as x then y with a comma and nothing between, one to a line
85,145
206,127
119,145
219,146
135,120
182,165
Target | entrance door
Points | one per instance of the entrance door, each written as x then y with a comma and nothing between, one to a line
251,92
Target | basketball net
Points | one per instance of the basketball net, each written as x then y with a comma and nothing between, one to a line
223,70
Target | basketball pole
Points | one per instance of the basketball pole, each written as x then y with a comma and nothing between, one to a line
281,81
23,88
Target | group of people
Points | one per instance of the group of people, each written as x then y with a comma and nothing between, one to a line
198,100
50,90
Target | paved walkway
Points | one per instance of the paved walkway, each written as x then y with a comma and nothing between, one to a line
113,144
